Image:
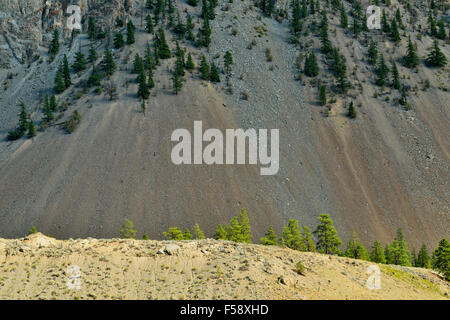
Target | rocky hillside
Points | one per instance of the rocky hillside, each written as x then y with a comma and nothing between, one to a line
38,267
386,168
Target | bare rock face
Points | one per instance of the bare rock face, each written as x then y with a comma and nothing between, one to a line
26,25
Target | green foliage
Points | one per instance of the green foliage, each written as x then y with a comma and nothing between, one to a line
436,58
299,268
109,66
130,32
92,54
70,125
423,259
377,254
33,230
145,237
94,78
326,43
214,73
80,62
322,95
373,52
411,60
187,234
395,77
190,63
228,61
149,24
296,23
327,237
382,72
311,67
307,239
54,45
127,231
163,50
397,252
204,33
92,30
270,239
344,18
355,249
351,111
204,68
119,42
441,258
22,126
197,233
177,82
291,236
174,233
221,233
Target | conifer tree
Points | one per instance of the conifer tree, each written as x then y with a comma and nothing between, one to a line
130,32
291,236
145,237
244,224
352,111
47,111
127,231
163,47
92,54
187,234
143,91
441,258
398,251
54,45
355,249
234,230
190,63
177,82
384,23
143,106
373,52
94,78
204,33
436,58
31,128
66,72
344,18
228,61
270,239
296,25
395,77
149,60
193,3
197,233
377,254
149,24
311,67
326,44
53,104
395,34
80,62
327,238
60,85
307,239
189,28
138,64
423,259
179,65
174,233
150,82
432,24
411,60
118,40
382,71
92,32
441,34
214,73
109,65
204,68
221,233
33,230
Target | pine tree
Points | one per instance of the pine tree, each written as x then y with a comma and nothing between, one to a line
396,77
130,32
311,67
234,230
149,60
150,82
355,249
187,234
291,236
177,82
307,239
228,61
384,23
53,104
197,233
60,85
204,68
322,95
214,73
326,44
327,238
149,24
47,111
382,71
22,126
163,47
92,32
221,233
127,231
189,28
441,258
344,18
373,52
145,237
244,223
398,251
54,45
441,33
436,58
143,91
179,65
193,3
33,230
31,128
92,54
270,239
80,62
190,63
395,34
66,72
118,40
432,24
143,106
174,233
94,78
411,60
403,95
138,64
351,111
377,254
109,65
204,33
296,24
423,259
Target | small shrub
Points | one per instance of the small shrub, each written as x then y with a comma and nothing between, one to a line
71,124
300,268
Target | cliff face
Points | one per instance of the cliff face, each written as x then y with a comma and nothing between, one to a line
387,168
